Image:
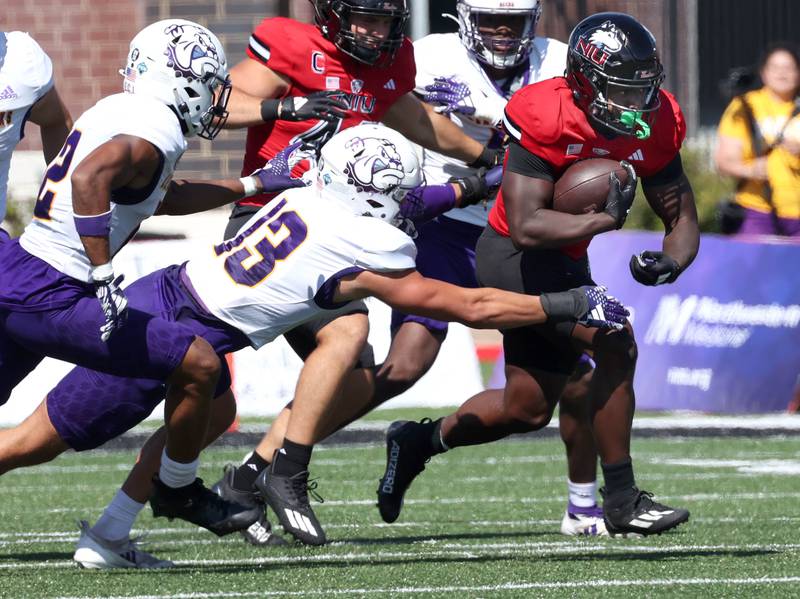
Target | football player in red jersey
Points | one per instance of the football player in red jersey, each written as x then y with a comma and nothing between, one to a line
609,104
303,83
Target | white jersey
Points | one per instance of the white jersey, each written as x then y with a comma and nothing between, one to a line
26,74
282,268
548,59
51,235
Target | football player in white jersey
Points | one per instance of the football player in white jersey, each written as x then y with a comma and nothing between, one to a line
309,252
494,53
27,92
58,293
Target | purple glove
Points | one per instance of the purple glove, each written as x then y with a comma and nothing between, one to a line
451,96
602,311
494,176
589,306
276,175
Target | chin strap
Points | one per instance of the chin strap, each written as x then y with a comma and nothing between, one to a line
633,119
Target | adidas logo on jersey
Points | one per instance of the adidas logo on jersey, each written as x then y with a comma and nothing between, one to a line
637,155
389,84
9,94
300,522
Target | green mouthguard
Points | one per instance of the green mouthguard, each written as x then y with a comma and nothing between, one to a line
633,119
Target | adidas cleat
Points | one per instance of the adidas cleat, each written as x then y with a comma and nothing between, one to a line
199,505
635,514
288,498
259,533
583,522
407,452
95,553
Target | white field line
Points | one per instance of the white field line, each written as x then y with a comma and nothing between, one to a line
70,536
465,551
460,590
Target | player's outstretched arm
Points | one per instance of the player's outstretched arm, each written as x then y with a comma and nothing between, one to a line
253,83
671,197
420,123
484,307
189,197
54,120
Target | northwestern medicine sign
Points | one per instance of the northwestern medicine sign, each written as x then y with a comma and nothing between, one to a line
725,337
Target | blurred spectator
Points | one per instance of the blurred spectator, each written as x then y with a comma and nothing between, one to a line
759,144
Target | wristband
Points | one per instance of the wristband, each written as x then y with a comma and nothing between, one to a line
102,273
93,225
563,305
270,110
249,184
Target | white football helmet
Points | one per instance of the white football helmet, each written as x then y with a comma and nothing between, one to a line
369,169
498,52
182,64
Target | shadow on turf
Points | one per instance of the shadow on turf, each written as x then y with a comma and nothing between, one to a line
39,556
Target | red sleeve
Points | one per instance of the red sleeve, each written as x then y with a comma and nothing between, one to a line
669,133
405,68
533,119
269,44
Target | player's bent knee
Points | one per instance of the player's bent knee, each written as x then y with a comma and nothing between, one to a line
619,348
201,363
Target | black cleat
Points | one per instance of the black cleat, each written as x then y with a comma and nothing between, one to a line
288,498
259,533
407,452
635,514
199,505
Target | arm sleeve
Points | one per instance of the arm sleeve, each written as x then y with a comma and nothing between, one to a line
527,163
666,175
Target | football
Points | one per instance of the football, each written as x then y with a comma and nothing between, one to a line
584,186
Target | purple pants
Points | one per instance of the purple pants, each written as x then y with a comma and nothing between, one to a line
46,313
87,408
446,252
762,223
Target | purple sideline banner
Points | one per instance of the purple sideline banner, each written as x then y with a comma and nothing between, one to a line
725,337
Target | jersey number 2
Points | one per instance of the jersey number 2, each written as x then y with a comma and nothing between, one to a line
283,235
57,171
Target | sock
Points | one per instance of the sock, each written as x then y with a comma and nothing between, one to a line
437,440
582,494
176,474
619,476
118,518
292,458
248,472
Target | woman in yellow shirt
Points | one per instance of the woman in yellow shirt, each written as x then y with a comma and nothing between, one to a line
769,185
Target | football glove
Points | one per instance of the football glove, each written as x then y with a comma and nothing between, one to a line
327,106
112,300
654,268
589,306
620,197
276,175
480,186
449,95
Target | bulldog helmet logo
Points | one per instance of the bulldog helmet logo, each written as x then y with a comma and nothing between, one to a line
191,53
376,167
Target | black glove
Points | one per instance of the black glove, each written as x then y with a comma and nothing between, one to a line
327,106
620,197
480,186
112,300
489,157
654,268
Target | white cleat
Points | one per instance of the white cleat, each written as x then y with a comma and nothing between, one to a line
95,553
583,522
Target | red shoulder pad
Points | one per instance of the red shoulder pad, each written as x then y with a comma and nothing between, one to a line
533,117
404,67
269,44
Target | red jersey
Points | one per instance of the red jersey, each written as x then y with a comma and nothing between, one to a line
544,119
300,52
